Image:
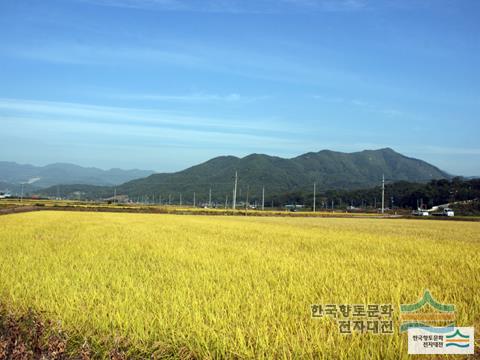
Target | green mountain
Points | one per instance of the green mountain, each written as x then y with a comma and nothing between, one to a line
329,169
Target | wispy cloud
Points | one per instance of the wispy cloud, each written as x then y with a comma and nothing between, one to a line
236,6
190,98
190,56
139,117
81,130
330,5
72,53
365,105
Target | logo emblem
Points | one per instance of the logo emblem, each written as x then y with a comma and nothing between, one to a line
427,312
441,340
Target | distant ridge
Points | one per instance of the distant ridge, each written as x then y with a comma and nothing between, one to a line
63,173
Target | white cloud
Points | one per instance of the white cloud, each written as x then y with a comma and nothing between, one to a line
68,112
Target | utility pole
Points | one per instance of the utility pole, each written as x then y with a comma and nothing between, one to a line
194,199
226,201
383,194
21,196
210,198
115,195
314,199
246,202
235,192
180,199
263,198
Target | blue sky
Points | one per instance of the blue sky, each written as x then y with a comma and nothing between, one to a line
165,84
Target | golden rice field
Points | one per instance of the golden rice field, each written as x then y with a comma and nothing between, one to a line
231,287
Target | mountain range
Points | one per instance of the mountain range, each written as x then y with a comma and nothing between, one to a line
328,169
13,175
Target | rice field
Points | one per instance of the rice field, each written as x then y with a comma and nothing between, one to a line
214,287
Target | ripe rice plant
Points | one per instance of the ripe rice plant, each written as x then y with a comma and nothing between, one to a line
231,287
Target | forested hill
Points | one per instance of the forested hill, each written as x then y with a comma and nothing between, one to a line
328,169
